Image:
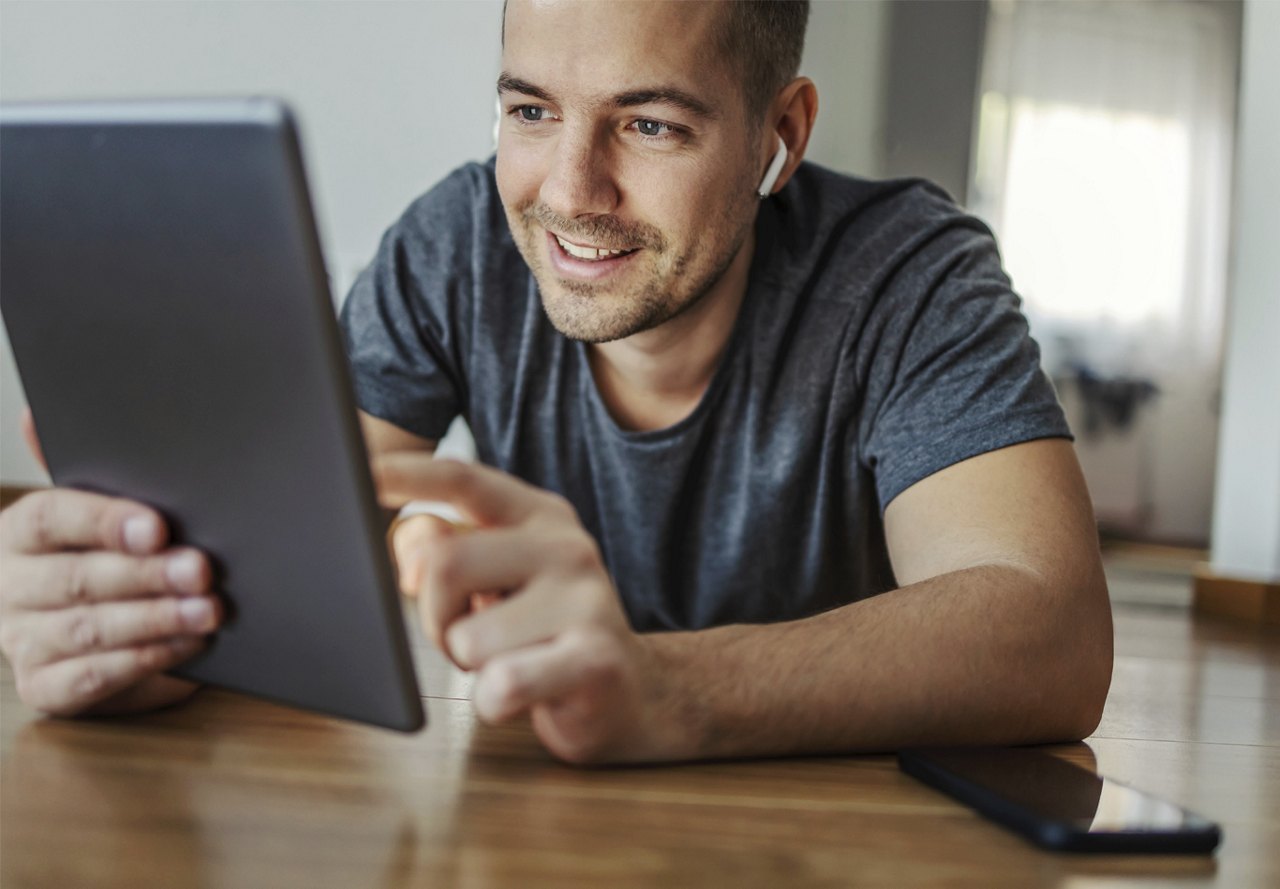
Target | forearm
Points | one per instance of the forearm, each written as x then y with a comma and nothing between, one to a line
984,655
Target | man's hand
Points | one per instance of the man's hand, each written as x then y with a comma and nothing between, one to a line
94,605
1002,634
524,598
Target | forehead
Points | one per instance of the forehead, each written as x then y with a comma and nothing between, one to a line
594,49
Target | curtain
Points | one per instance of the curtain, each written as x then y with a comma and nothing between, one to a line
1104,165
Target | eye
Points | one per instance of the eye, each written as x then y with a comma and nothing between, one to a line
653,128
530,113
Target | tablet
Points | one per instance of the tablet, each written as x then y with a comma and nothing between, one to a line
165,295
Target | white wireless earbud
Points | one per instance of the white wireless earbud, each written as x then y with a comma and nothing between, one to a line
771,174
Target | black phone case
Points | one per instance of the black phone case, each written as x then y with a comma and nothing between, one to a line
1061,836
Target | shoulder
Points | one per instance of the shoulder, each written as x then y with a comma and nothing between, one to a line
862,235
819,199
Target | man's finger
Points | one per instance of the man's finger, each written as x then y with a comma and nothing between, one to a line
455,567
61,519
515,682
409,538
542,611
482,494
68,687
74,632
60,580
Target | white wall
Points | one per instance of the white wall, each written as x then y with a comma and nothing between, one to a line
390,96
1246,513
845,55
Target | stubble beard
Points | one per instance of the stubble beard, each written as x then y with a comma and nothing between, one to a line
599,313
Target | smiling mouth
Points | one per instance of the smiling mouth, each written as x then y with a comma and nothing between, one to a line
591,254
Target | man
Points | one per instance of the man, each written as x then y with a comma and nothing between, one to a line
726,420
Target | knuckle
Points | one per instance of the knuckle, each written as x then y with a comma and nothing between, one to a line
84,631
580,751
559,505
580,639
40,520
88,681
577,553
76,579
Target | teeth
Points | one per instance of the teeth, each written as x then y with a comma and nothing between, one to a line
588,253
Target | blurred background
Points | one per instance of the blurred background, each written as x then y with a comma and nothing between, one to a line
1122,151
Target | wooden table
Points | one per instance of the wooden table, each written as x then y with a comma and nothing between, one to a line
229,791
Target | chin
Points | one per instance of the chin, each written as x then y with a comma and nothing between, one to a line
600,317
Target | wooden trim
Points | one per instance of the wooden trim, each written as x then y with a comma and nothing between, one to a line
1256,602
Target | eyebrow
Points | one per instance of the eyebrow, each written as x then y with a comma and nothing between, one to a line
659,95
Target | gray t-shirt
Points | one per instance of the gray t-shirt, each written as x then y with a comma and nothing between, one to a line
878,342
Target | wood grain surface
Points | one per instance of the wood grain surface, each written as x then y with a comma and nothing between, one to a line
229,791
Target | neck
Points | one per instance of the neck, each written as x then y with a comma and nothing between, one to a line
656,378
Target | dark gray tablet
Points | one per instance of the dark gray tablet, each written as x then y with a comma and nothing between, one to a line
164,292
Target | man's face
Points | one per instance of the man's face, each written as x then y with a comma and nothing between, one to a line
622,131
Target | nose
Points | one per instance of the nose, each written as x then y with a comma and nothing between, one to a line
580,181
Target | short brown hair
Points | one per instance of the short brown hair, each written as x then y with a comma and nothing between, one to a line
764,39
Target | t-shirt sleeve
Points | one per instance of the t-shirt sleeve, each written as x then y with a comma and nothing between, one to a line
956,373
405,318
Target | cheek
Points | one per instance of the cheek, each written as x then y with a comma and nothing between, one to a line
696,211
518,178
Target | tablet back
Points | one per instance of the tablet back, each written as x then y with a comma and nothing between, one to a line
163,288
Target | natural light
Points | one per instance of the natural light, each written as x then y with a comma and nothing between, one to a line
1107,185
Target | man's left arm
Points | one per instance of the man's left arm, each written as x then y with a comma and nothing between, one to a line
999,634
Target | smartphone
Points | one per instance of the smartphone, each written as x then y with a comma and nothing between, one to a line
1058,805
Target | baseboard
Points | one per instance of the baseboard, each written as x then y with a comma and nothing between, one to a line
1251,601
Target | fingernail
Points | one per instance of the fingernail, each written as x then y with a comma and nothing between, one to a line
141,533
197,614
183,572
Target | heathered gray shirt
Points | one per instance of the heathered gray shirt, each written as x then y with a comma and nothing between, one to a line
878,342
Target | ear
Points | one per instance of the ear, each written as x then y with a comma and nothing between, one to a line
792,114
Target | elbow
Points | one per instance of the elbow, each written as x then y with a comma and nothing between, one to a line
1075,711
1073,658
1086,714
1085,673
